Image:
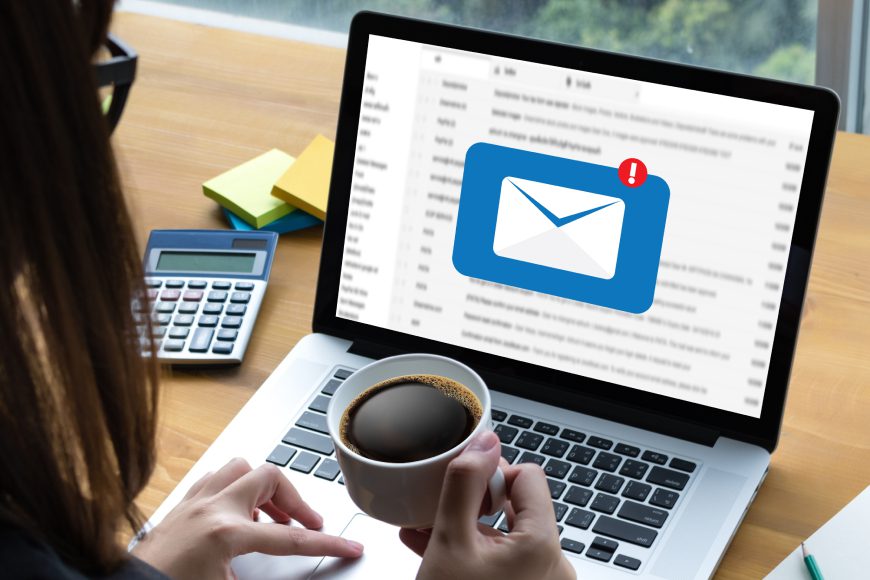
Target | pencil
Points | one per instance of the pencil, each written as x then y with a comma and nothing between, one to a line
815,571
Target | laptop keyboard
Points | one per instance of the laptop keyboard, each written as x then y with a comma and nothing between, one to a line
606,493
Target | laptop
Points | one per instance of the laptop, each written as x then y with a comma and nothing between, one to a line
619,246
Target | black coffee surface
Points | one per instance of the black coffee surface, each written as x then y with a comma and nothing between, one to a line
410,420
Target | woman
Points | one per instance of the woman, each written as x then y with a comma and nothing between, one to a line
78,402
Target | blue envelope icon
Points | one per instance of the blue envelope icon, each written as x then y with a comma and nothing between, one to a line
560,226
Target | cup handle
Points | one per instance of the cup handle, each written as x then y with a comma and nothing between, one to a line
497,491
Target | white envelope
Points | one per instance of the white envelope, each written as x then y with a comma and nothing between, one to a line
558,227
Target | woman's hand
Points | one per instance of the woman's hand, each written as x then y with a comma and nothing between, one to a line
459,547
216,521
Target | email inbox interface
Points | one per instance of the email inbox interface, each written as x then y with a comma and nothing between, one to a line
672,287
567,228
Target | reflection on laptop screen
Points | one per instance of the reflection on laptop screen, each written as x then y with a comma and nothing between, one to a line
626,231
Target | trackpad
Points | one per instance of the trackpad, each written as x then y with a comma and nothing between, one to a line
384,552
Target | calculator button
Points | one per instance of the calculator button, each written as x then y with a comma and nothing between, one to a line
240,297
175,283
236,309
183,319
153,283
197,284
173,345
222,348
158,331
188,308
162,319
170,295
152,295
227,334
217,296
165,307
232,322
179,332
201,339
212,308
220,285
245,286
193,296
208,321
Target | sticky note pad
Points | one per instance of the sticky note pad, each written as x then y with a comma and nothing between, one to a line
245,189
306,183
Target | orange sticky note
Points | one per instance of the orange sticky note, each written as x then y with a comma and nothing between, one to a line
306,183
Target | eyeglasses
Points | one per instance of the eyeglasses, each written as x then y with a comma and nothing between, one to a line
118,72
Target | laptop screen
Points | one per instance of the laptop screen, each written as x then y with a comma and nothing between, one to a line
626,231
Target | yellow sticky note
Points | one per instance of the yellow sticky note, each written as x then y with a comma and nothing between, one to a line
245,189
306,183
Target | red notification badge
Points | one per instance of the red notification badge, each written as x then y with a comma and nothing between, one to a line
632,172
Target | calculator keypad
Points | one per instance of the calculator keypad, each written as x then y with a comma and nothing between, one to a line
200,317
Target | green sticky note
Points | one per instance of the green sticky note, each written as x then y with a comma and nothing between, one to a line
246,190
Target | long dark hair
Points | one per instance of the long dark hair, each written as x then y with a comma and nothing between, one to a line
77,399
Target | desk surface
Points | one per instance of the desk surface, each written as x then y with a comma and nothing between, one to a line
207,99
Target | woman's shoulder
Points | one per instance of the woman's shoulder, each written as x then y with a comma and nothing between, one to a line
23,558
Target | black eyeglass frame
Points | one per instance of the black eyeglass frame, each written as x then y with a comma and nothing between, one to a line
120,72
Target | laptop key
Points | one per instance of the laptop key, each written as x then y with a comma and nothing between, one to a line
626,531
634,469
490,520
313,421
572,546
604,544
580,518
559,509
546,428
281,455
627,562
506,434
308,440
599,442
554,447
624,449
503,526
342,374
578,496
519,421
580,454
664,498
529,457
597,554
604,503
319,404
328,470
556,487
305,462
642,514
655,457
572,435
509,453
667,478
607,461
582,476
682,465
498,416
331,386
637,490
529,440
556,468
609,483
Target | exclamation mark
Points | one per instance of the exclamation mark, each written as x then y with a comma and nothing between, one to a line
631,172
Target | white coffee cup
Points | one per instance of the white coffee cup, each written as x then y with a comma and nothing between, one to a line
405,494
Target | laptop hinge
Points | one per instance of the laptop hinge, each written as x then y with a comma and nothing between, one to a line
620,413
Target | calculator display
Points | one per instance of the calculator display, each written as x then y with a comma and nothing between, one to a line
235,262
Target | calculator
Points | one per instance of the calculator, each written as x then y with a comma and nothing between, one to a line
205,288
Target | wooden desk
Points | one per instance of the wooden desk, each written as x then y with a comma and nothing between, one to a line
206,100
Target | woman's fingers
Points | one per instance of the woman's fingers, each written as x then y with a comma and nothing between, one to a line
276,514
194,489
415,540
282,540
267,485
226,475
529,499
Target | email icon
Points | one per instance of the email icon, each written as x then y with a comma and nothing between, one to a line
560,226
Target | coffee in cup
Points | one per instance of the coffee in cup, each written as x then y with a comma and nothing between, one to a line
409,418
